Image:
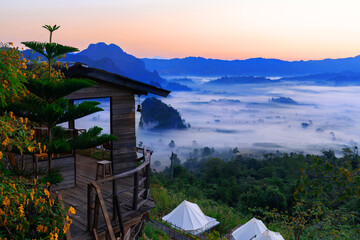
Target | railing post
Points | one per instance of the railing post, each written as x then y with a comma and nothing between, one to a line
147,172
96,212
136,190
90,207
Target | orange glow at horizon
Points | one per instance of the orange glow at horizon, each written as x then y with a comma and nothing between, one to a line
227,29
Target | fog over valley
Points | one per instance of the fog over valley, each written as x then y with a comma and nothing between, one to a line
255,118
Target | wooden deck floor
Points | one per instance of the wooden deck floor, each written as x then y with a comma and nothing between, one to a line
77,196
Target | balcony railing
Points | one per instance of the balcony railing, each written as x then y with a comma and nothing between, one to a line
123,195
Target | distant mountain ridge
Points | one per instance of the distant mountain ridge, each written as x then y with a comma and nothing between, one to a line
198,66
346,78
113,59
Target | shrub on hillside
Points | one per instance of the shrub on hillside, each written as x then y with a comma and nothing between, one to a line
28,212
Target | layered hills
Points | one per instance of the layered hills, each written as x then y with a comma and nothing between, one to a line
198,66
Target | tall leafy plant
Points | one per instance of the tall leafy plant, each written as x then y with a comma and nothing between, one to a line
47,105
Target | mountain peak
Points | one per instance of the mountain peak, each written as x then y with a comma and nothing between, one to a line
104,46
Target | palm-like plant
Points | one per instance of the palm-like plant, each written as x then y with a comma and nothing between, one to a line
50,50
47,105
51,29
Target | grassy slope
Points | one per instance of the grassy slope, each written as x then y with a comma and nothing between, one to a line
166,200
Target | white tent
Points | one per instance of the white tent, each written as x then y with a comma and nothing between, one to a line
269,235
250,230
189,217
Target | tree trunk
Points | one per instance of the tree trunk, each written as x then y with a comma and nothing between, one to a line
49,153
172,166
49,69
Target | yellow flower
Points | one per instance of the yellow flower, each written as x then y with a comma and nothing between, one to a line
54,236
40,228
65,229
71,211
47,193
1,155
21,209
32,194
6,201
6,141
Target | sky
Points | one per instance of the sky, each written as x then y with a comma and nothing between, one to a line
224,29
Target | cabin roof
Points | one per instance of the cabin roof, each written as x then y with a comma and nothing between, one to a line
80,70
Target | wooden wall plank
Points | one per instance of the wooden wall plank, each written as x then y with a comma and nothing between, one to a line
102,89
122,121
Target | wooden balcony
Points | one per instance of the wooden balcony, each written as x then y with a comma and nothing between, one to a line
110,208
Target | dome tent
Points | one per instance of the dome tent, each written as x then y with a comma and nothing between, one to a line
189,217
250,230
269,235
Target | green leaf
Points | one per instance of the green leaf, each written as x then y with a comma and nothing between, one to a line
58,146
52,91
51,114
49,50
91,138
51,29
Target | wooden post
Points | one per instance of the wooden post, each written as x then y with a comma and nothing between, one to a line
22,162
113,184
106,215
147,172
136,190
96,212
172,166
34,166
60,199
90,207
117,205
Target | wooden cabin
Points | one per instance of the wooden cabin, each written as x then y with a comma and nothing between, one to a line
121,91
114,207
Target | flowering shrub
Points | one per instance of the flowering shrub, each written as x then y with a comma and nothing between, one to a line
28,212
12,74
16,136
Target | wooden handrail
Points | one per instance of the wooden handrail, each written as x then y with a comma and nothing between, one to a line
106,215
139,197
124,174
